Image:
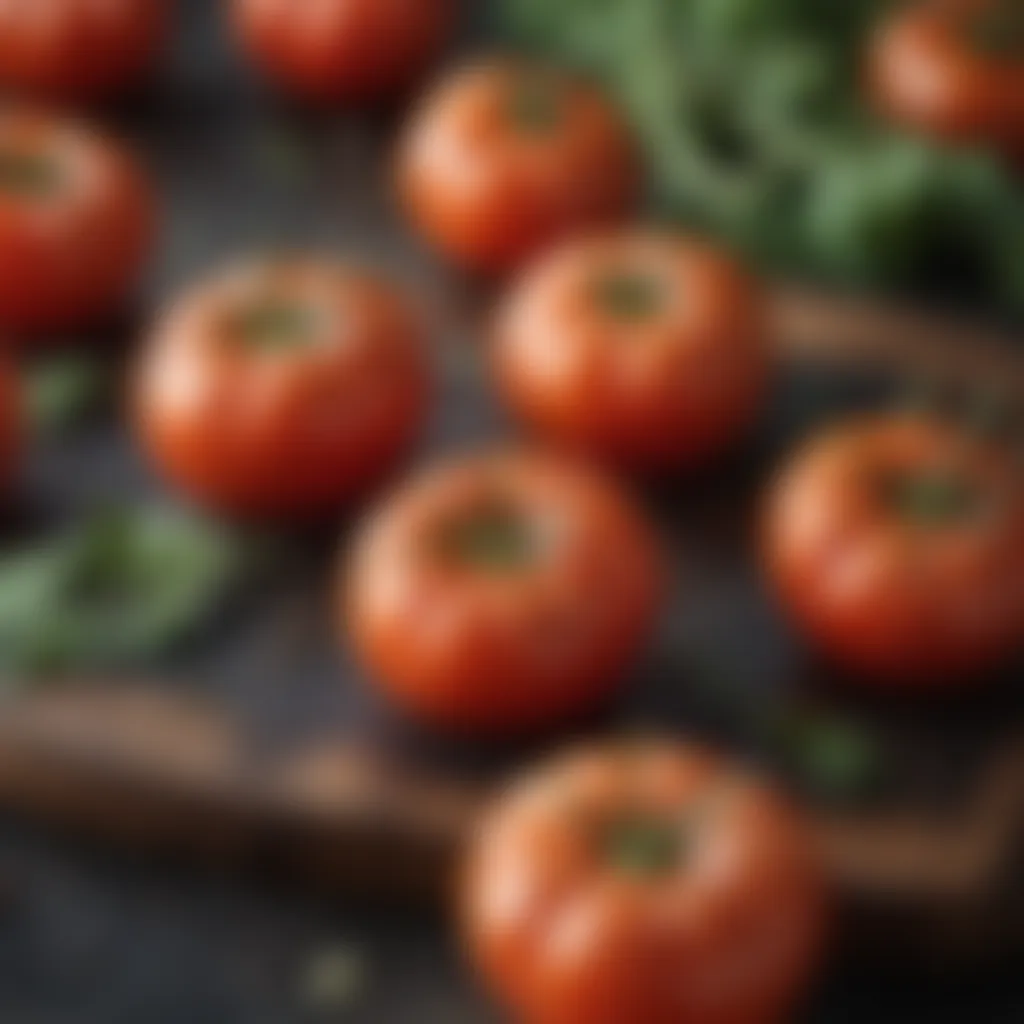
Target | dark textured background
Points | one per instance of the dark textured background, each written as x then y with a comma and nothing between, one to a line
94,938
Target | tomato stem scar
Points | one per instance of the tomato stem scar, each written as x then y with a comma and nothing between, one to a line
644,846
535,105
932,497
628,294
275,323
28,173
494,536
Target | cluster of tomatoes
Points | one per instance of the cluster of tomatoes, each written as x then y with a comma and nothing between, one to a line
507,590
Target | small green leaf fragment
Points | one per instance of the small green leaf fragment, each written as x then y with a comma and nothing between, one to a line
333,978
61,392
834,758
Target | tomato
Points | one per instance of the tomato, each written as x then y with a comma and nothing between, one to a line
646,349
285,386
954,69
76,222
79,49
344,49
644,883
502,592
897,543
504,159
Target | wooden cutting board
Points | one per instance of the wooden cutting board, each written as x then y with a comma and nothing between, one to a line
161,768
139,766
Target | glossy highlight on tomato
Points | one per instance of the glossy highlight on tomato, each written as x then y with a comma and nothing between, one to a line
79,50
348,50
643,348
897,545
76,224
284,386
954,69
644,881
502,592
503,159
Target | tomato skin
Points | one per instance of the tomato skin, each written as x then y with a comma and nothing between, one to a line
79,50
71,257
900,603
728,934
348,50
283,433
480,651
652,390
925,73
489,193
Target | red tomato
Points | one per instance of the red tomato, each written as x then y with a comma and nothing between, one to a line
284,386
344,49
644,883
898,545
645,349
955,69
505,159
79,49
76,222
502,592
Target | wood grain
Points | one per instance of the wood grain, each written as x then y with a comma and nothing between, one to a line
142,766
809,327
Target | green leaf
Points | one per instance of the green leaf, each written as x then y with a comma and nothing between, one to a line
752,120
121,586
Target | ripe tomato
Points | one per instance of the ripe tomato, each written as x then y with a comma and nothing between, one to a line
285,386
898,544
506,158
344,49
78,49
644,883
502,592
75,224
646,349
955,69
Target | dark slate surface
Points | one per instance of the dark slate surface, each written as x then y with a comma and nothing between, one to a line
94,938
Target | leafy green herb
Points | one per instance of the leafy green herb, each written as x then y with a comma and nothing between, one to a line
62,391
752,119
121,586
